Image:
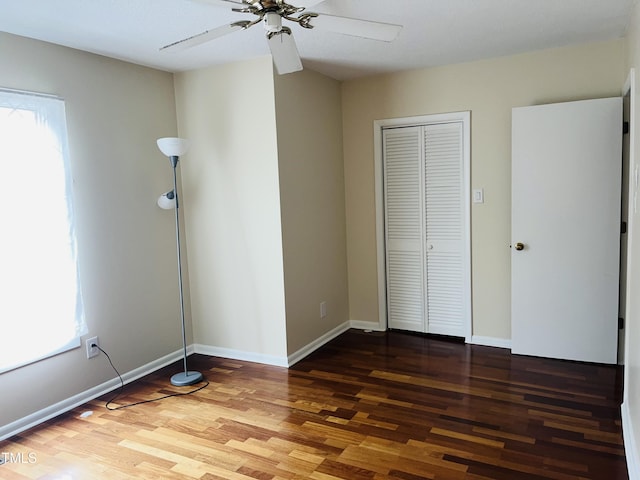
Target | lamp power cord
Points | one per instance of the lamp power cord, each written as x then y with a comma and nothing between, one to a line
121,389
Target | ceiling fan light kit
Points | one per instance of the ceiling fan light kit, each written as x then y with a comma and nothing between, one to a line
280,38
272,22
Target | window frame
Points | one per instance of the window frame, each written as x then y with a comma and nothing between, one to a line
60,131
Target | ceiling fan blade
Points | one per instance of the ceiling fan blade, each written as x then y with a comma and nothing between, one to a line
204,37
385,32
284,52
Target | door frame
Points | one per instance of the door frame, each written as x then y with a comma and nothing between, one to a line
628,99
378,126
633,459
630,90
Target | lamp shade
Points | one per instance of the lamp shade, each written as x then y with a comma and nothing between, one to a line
172,146
167,200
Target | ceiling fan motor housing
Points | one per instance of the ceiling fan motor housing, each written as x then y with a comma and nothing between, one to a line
272,22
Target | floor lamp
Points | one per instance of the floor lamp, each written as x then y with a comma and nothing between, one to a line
174,148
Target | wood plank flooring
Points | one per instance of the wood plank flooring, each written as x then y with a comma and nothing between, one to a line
366,406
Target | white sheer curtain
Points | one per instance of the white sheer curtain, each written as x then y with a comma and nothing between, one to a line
41,311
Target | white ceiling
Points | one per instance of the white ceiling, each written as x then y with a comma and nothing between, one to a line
436,32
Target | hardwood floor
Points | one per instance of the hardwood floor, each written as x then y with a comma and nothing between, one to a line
366,406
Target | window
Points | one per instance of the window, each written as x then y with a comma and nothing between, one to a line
41,311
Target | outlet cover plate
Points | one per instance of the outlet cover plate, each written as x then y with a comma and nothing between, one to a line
92,351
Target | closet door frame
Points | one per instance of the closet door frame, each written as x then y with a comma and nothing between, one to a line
378,126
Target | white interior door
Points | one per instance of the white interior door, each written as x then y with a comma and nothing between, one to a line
566,169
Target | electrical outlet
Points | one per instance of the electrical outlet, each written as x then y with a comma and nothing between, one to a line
92,351
323,309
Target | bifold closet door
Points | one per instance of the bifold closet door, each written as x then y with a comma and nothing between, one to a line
425,234
403,173
445,231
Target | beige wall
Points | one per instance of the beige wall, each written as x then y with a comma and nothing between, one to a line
631,407
309,123
489,89
126,244
232,207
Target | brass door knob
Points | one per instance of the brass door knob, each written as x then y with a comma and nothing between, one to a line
519,246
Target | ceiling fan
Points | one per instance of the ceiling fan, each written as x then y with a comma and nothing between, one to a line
280,38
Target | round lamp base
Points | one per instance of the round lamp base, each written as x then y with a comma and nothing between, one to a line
183,379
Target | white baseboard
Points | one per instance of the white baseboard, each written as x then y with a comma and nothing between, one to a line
317,343
364,325
271,359
491,341
74,401
630,446
241,355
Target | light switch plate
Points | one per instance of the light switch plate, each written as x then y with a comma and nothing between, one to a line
478,195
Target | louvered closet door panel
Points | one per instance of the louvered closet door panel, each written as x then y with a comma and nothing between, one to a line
444,217
404,226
